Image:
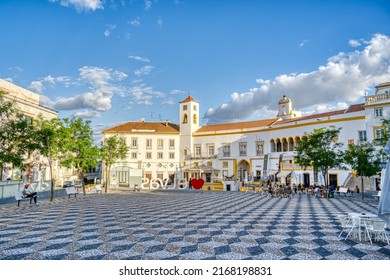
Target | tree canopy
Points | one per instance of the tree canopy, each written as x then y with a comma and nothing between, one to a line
320,150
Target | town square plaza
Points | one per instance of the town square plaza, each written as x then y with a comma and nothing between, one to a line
184,225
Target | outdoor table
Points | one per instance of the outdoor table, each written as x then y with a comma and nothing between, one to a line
362,217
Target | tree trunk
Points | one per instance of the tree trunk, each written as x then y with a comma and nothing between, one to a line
51,180
362,187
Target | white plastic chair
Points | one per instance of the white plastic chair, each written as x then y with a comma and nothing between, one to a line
354,226
378,230
345,221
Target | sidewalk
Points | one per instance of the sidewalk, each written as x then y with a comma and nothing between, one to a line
183,224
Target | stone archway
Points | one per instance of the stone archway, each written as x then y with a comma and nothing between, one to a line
243,169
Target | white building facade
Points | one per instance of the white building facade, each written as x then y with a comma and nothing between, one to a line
253,150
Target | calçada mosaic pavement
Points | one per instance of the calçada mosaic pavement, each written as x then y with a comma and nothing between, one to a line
184,225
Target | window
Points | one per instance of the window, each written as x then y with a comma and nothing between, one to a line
171,155
259,148
133,155
184,107
148,143
242,149
195,119
226,150
209,164
134,142
171,143
362,135
185,119
210,150
148,155
185,152
160,144
159,155
378,112
198,151
194,107
224,173
225,164
378,133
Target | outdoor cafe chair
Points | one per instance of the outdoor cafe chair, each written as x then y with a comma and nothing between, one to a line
353,226
345,221
377,228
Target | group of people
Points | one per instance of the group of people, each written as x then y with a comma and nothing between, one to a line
275,190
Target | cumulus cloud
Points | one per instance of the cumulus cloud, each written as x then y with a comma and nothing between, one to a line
102,87
354,43
86,114
143,94
41,85
344,78
148,5
81,5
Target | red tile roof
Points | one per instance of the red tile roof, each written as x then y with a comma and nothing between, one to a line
145,127
238,125
188,98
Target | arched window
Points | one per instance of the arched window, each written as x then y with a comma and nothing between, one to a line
195,119
185,119
273,148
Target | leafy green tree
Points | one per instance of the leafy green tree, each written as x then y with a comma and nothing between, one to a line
364,159
113,149
49,137
16,138
77,146
320,150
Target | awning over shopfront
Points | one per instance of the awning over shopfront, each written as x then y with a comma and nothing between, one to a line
283,174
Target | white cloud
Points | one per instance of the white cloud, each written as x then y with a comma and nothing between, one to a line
143,94
109,28
145,70
344,78
40,85
354,43
136,22
168,102
148,5
86,114
102,87
178,91
139,58
81,5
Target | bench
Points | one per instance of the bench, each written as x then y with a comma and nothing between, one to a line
19,198
344,191
71,190
98,188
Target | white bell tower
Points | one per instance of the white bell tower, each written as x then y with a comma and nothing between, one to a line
189,123
285,109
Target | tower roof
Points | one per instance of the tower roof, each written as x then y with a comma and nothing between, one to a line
188,99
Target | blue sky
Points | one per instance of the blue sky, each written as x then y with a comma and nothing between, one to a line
114,61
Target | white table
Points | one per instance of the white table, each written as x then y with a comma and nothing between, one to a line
362,217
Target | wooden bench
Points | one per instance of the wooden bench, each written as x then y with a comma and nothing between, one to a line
19,198
71,190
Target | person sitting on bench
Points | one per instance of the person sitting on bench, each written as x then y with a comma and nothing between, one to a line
28,192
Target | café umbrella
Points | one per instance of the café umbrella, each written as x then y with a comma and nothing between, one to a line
384,201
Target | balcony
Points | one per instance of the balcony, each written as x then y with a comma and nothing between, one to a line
373,99
197,157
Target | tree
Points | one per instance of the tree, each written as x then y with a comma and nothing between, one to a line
113,149
16,139
77,147
364,159
320,150
48,136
